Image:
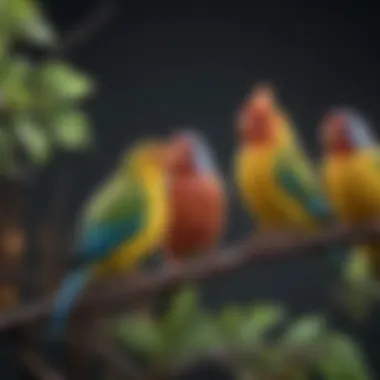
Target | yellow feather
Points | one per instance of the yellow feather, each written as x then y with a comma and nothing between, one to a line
148,169
353,186
261,194
130,254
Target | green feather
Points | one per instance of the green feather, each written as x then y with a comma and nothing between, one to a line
117,198
296,175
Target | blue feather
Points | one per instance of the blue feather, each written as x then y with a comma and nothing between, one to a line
359,129
315,204
100,239
205,160
67,296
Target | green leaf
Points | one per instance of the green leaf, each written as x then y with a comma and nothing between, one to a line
182,312
38,32
140,334
60,80
357,298
183,304
229,323
35,142
259,322
200,340
342,360
72,131
304,332
13,84
357,266
30,24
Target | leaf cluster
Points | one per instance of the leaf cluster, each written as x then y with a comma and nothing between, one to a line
40,103
359,290
245,338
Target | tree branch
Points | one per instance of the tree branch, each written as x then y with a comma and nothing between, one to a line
120,293
89,26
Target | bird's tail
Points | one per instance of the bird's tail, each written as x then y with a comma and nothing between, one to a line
66,297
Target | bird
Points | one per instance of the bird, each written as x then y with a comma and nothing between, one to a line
264,96
197,198
350,169
277,182
124,220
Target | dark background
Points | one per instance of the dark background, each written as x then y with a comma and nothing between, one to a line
161,65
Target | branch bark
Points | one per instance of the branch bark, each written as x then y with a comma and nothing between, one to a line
89,26
120,293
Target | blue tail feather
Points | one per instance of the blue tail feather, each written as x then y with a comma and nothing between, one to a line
68,294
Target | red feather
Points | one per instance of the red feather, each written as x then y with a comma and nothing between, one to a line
198,205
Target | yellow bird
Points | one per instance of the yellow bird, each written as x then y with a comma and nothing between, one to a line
124,221
276,181
265,97
351,173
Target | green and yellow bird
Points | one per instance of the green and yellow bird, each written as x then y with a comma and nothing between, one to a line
277,182
123,222
351,173
275,179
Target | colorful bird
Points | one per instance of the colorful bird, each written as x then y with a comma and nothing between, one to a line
351,172
276,181
198,201
264,96
122,223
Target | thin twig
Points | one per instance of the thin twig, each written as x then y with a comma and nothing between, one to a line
37,367
120,293
89,26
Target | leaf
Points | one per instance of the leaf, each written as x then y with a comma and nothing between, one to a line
198,341
13,76
30,23
357,298
38,32
357,266
182,312
72,131
60,80
35,142
229,323
342,360
183,304
259,322
140,334
304,332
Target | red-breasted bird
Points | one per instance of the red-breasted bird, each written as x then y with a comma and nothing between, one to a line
197,198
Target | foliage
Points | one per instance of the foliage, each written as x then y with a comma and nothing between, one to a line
245,338
39,102
359,290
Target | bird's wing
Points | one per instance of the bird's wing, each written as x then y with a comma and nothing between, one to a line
296,176
113,215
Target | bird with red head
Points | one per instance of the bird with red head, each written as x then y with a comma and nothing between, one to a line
197,197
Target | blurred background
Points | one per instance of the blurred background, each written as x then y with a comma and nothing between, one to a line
161,65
